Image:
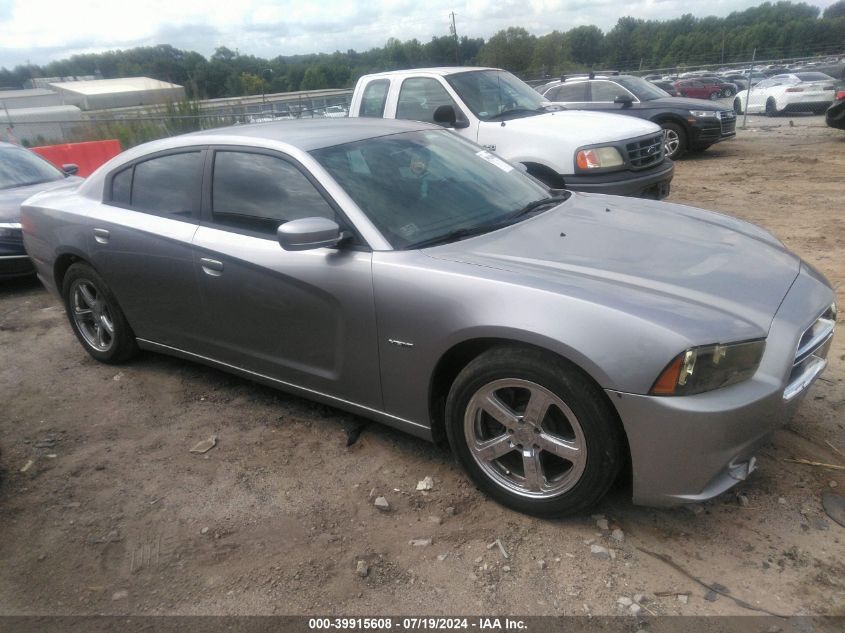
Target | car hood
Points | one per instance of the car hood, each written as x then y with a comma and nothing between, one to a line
685,103
11,199
624,252
581,126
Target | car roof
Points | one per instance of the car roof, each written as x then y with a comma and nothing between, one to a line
311,134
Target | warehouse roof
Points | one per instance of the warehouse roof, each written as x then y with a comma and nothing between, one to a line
111,86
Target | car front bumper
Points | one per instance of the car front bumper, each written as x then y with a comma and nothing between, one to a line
13,258
649,183
704,133
693,448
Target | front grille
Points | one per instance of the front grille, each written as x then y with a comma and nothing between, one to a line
645,152
728,120
811,354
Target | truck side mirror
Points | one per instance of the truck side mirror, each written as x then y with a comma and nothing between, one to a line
445,115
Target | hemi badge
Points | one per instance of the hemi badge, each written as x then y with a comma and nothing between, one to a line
393,341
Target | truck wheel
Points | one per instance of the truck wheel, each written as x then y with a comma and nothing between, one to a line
675,140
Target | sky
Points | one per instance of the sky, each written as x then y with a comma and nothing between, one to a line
40,31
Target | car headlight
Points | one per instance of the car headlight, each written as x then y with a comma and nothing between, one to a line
710,367
703,114
598,157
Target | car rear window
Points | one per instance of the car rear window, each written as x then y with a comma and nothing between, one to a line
814,77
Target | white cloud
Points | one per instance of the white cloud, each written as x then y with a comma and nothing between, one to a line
40,31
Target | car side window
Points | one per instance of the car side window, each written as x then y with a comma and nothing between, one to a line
167,185
570,93
607,91
419,97
259,192
374,98
121,187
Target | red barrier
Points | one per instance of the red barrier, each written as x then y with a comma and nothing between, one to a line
87,156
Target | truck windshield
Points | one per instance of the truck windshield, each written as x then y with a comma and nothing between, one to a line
494,95
427,187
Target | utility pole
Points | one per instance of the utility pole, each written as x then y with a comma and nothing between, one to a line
454,33
748,92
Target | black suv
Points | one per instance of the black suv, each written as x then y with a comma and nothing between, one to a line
689,124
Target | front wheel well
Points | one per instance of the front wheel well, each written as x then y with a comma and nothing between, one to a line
459,356
546,175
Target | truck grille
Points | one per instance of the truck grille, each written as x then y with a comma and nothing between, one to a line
728,120
645,152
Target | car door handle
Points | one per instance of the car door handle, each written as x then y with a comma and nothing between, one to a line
101,236
211,267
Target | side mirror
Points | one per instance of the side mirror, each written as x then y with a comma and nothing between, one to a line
70,169
625,100
308,233
445,115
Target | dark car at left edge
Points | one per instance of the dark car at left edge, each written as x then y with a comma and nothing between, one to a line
23,174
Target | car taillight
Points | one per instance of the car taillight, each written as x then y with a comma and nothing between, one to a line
794,90
840,95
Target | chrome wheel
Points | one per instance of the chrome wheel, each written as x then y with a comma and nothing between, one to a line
525,438
671,142
91,315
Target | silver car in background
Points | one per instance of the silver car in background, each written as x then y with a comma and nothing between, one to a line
393,270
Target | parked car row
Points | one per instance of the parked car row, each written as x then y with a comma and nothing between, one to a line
688,124
444,282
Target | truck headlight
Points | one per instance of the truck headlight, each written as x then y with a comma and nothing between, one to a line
598,157
710,367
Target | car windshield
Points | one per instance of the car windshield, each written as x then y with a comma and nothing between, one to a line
495,95
642,89
427,187
19,167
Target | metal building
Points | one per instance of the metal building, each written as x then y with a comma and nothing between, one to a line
100,94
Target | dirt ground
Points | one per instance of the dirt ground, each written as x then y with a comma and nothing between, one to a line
115,516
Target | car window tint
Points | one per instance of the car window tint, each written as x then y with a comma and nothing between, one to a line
419,97
260,192
568,92
167,185
120,187
607,90
374,98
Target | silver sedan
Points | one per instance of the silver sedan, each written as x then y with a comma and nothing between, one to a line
393,270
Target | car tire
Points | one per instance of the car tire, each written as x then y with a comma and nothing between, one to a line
96,317
715,95
737,106
675,143
550,460
727,92
771,107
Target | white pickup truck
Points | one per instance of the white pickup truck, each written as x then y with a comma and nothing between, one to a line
584,151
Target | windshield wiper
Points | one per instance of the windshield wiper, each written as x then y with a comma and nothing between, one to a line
538,204
453,236
515,111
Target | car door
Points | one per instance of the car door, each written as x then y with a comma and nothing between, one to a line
141,243
757,95
573,95
603,96
305,318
